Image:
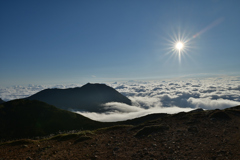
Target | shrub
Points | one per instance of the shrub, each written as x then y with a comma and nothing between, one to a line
145,131
64,137
20,142
219,115
113,128
68,136
81,139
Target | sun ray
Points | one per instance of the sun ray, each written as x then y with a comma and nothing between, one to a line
179,44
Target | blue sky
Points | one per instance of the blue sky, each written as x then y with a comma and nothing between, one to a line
47,42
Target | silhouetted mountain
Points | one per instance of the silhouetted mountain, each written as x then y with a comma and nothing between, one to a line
26,118
89,97
1,101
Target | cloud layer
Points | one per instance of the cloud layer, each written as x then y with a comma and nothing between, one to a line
159,96
171,96
16,92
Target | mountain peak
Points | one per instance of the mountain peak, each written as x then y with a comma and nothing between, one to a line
1,101
94,84
89,97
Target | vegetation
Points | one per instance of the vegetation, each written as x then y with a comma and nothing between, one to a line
83,138
219,115
145,131
68,136
27,119
24,118
113,128
20,142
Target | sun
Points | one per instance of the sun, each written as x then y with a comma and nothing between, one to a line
179,45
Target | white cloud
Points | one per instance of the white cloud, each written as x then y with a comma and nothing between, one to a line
207,103
120,116
121,107
146,102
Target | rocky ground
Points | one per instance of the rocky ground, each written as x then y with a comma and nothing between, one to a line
195,135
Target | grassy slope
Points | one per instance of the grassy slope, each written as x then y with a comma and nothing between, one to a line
26,118
31,118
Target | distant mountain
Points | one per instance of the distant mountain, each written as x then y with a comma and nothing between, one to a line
89,97
1,101
26,118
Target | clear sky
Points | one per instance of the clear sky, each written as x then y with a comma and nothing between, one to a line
59,41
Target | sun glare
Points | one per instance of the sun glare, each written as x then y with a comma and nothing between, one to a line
179,45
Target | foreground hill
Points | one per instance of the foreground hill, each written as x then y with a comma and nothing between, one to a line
26,118
197,134
31,118
89,97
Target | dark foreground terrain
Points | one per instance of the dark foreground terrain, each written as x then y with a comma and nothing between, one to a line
195,135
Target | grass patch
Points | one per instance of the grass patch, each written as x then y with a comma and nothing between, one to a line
148,123
64,137
69,136
145,131
20,142
113,128
81,139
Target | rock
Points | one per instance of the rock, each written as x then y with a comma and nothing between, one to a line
94,157
154,145
219,115
151,129
81,139
197,110
25,146
193,129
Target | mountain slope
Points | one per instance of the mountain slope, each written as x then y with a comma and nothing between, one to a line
89,97
1,101
25,118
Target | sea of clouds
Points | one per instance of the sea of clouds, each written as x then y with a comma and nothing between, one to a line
155,96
